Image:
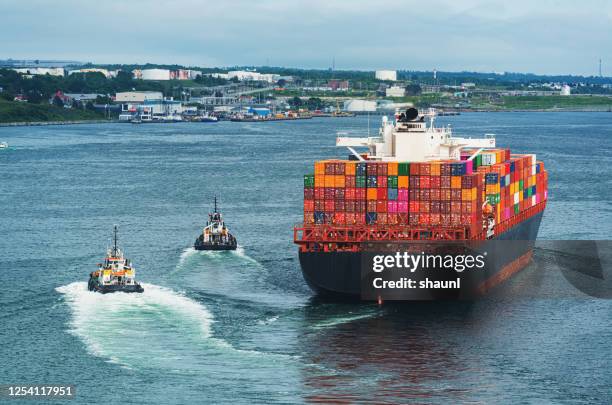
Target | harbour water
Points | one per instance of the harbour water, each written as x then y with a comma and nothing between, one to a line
242,327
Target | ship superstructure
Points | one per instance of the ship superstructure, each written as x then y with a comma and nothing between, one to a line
115,274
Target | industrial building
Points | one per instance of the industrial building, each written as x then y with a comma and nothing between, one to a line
360,105
390,75
138,96
395,91
53,71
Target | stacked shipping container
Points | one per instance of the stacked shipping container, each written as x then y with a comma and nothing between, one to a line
423,195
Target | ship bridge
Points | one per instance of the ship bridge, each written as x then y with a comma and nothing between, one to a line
413,137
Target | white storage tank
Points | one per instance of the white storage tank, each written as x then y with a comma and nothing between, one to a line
386,75
155,74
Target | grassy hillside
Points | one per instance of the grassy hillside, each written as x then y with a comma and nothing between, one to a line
552,102
14,111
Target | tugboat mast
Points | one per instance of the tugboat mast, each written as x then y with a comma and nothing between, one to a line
215,204
115,241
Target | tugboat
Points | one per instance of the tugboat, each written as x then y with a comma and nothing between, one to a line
116,274
215,235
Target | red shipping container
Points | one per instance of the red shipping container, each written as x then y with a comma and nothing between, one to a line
445,170
360,219
381,206
445,219
424,182
413,206
309,205
381,193
330,193
349,193
329,218
381,181
382,169
330,168
468,181
329,206
455,194
402,206
308,218
392,219
424,169
455,219
445,181
445,207
445,194
392,206
349,181
455,207
349,205
360,194
339,218
424,207
403,218
435,194
381,219
423,219
339,206
339,169
413,195
435,181
413,182
371,206
425,195
434,219
309,194
468,219
350,218
402,194
360,206
319,193
435,207
339,193
319,205
415,169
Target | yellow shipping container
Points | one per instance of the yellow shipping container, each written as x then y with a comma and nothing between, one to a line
435,169
371,194
392,169
330,180
402,181
339,182
466,194
320,167
455,181
350,168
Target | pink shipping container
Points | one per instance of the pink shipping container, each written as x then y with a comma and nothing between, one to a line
392,206
402,206
402,194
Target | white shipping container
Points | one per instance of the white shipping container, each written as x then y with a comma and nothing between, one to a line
516,198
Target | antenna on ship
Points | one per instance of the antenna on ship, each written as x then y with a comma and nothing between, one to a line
215,203
115,241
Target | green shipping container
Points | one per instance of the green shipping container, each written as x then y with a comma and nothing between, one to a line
493,199
516,209
529,192
360,181
391,181
520,184
403,169
309,181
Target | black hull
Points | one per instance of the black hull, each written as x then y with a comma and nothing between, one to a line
200,245
107,289
337,275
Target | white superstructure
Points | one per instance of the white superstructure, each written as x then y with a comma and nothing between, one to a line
414,138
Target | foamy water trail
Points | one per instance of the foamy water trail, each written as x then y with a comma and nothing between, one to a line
370,313
190,255
159,328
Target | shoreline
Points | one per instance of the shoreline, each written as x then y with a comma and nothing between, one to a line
44,123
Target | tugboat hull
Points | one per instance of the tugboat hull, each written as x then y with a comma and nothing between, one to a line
200,245
105,289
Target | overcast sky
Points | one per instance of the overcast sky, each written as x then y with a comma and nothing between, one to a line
539,36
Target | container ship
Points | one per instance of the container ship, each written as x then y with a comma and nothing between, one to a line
418,183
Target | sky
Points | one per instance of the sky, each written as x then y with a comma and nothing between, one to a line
535,36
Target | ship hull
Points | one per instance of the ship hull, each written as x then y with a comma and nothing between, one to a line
337,275
200,245
107,289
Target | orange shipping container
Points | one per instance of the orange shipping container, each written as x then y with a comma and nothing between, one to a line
350,168
392,169
402,181
330,181
455,181
372,194
339,181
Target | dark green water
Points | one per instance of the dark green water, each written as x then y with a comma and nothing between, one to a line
243,327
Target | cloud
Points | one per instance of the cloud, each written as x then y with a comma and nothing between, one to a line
545,36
